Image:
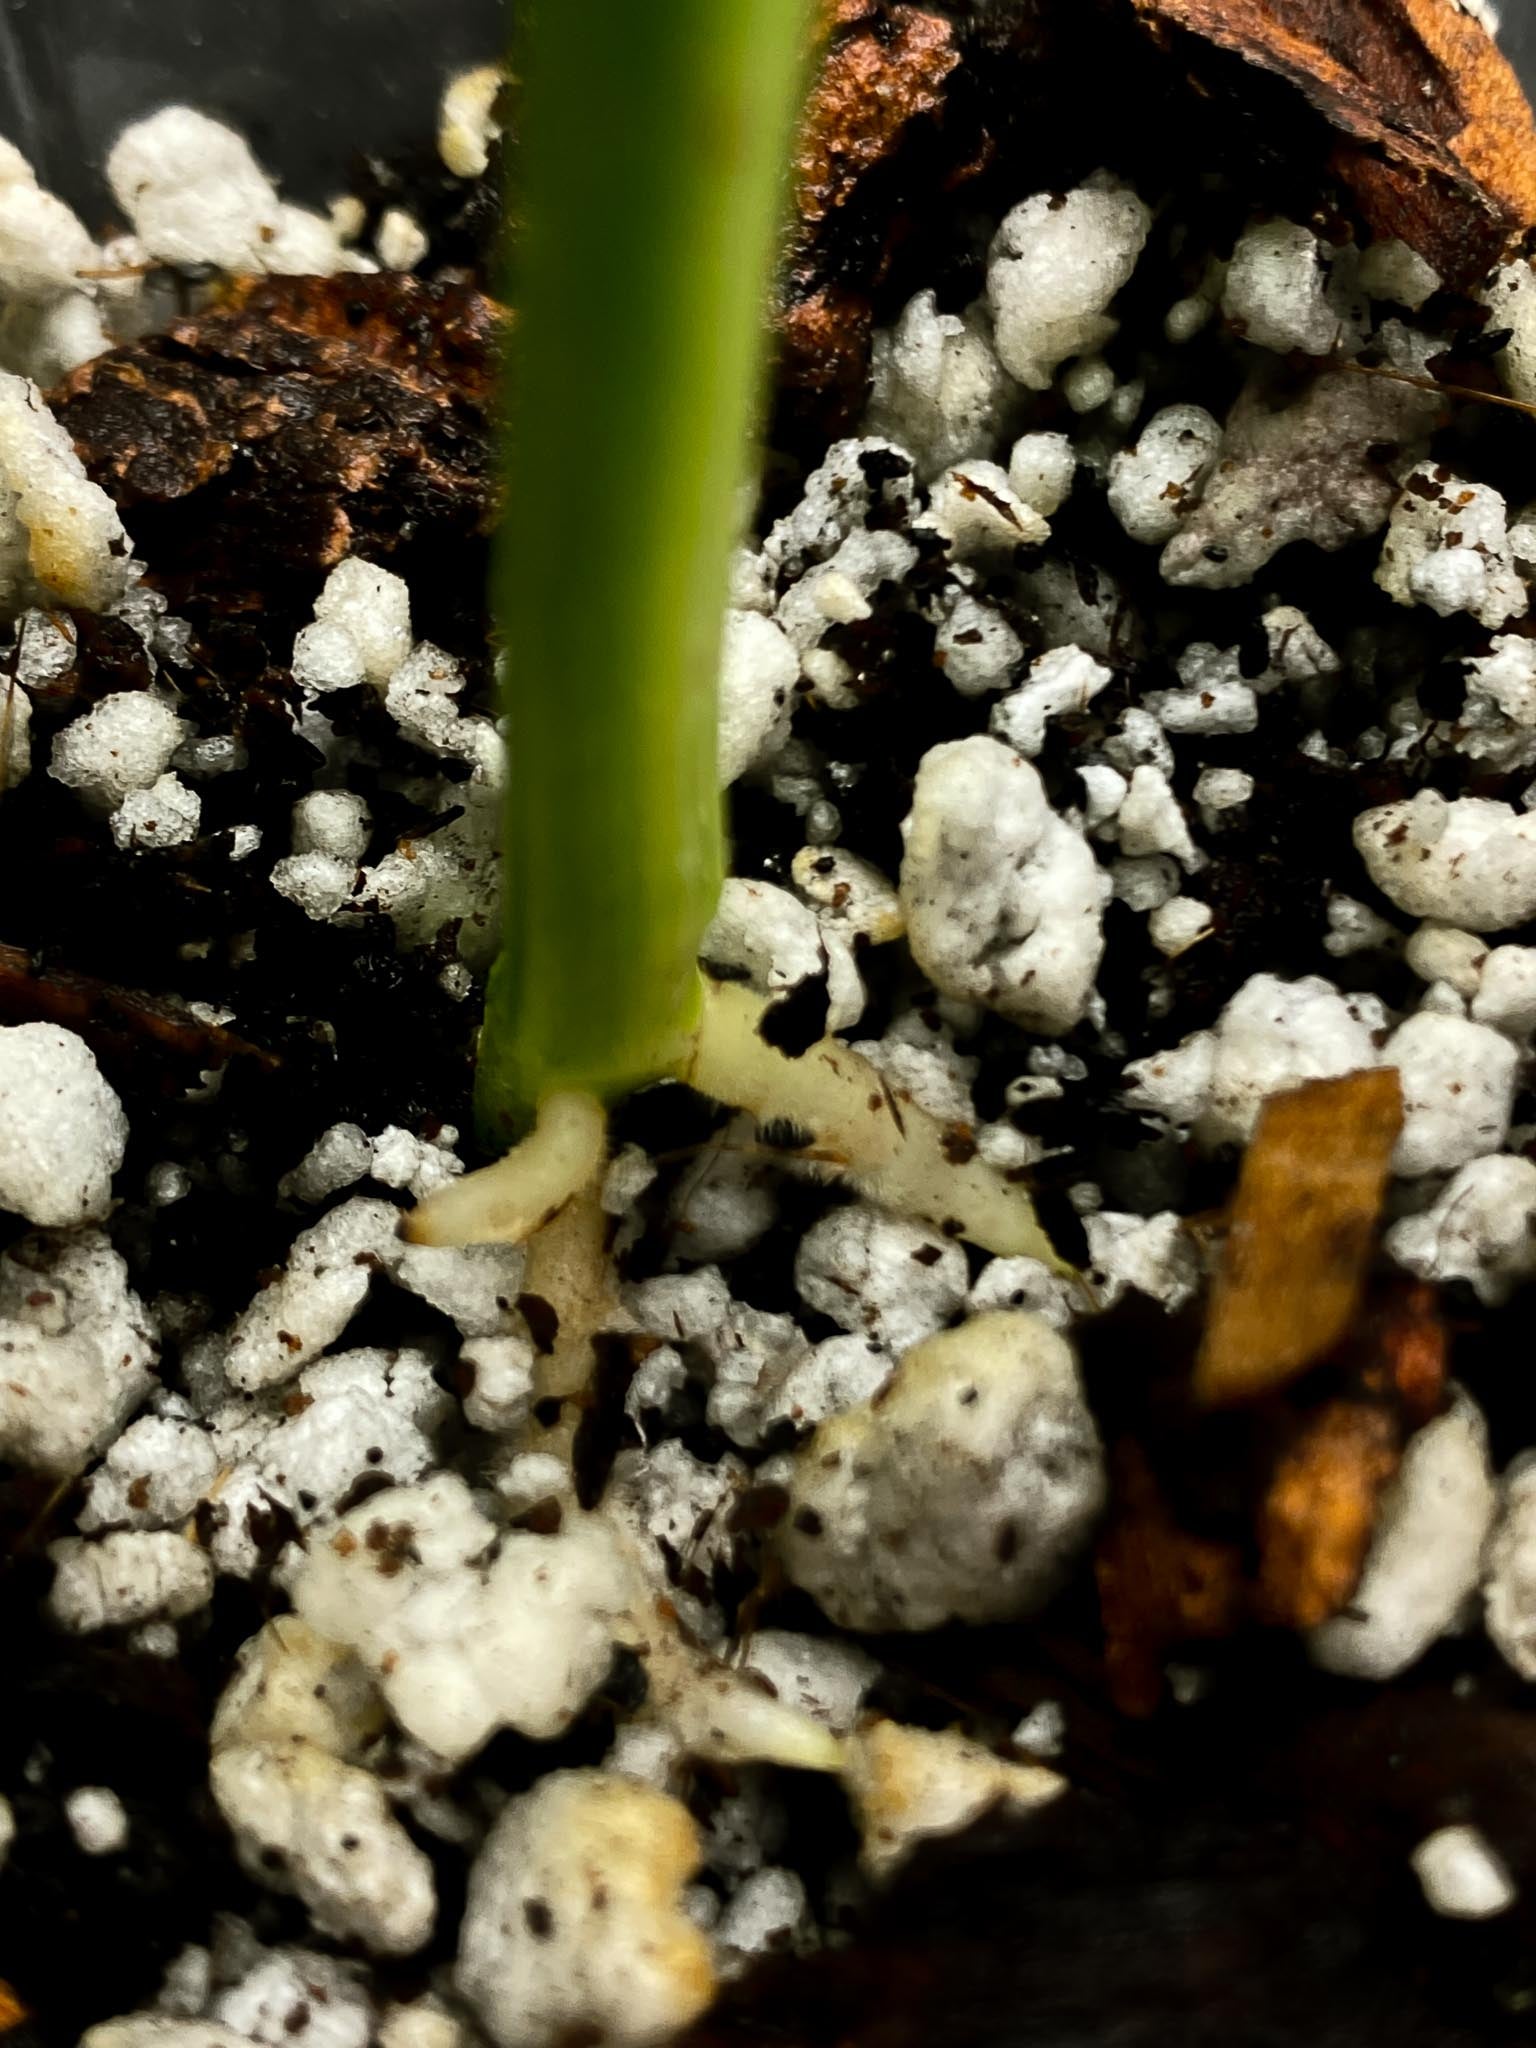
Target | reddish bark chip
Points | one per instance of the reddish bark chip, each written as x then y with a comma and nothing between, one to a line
1435,139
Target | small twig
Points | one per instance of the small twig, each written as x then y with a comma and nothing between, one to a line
116,1022
1441,390
109,273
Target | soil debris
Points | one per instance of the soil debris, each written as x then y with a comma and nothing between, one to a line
1159,1584
884,72
1316,1521
1435,137
118,1024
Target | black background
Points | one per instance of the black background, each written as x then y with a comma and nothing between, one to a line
308,82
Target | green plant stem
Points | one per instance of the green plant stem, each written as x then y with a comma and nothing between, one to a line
653,149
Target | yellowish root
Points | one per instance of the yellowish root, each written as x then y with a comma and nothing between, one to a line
506,1203
854,1125
569,1268
892,1151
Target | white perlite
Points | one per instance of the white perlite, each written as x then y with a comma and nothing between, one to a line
330,1267
778,945
331,821
152,1477
1481,1228
1448,547
1054,267
294,1998
61,541
1276,294
977,648
881,1276
768,1914
62,1129
1439,952
936,385
975,509
819,1675
304,1816
165,814
1302,472
97,1820
122,744
354,1415
466,120
1041,470
125,1578
43,245
1178,924
1273,1035
961,1493
1024,1283
1169,462
575,1924
1498,721
421,2024
1151,820
76,1350
1458,1081
1509,1567
327,1828
910,1784
1425,1555
1510,297
758,673
1063,681
1467,861
1462,1876
195,194
1391,270
501,1372
467,1634
372,606
1004,901
401,241
1151,1255
849,892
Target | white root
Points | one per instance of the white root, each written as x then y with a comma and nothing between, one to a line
890,1149
506,1203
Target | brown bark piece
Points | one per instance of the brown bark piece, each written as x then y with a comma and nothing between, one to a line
1316,1521
1318,1513
884,70
357,404
885,66
1436,142
1412,1355
1303,1224
1159,1585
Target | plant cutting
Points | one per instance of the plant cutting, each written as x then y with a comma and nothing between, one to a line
630,424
